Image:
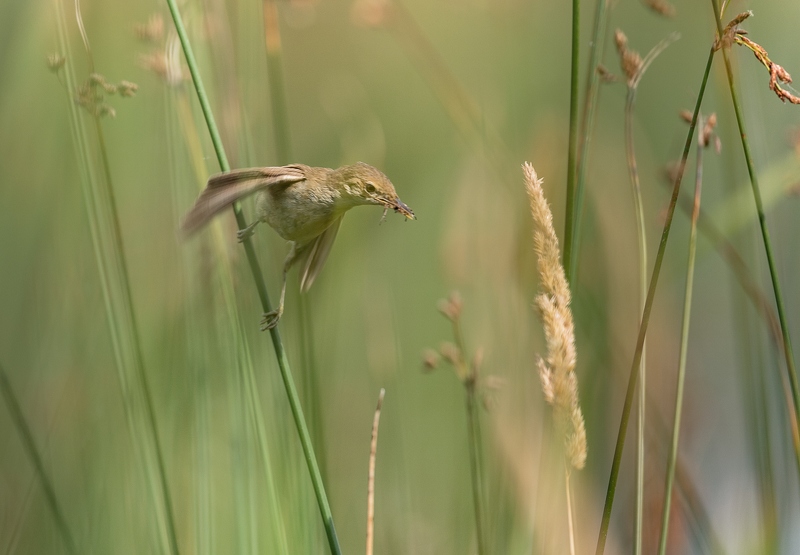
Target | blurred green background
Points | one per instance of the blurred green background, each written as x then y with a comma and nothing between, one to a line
448,103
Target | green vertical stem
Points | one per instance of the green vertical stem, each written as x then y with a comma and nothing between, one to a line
590,108
280,352
687,310
648,306
762,221
469,375
18,417
642,242
473,429
311,383
572,156
277,89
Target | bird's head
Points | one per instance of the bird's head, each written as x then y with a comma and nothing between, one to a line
361,183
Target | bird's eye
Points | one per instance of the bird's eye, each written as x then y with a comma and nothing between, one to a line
370,188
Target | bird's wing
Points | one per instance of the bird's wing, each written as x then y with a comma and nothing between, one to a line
223,189
317,254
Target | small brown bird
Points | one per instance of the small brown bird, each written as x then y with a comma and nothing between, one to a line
304,205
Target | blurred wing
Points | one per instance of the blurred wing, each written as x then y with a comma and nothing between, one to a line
317,254
224,189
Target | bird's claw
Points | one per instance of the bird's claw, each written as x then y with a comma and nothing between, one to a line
246,232
270,319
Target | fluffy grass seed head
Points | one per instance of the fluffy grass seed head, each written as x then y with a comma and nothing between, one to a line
557,371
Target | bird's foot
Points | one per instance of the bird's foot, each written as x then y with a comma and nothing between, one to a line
270,319
246,232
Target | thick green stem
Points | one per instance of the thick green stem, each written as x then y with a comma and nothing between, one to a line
280,352
632,379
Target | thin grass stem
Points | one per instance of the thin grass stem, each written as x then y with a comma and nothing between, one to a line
469,375
473,431
684,346
25,434
596,45
572,153
762,221
641,238
570,515
373,455
280,352
632,379
277,89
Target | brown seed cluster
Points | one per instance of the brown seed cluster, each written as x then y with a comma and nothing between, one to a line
777,74
630,60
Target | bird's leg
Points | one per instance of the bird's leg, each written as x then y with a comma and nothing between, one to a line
246,232
270,319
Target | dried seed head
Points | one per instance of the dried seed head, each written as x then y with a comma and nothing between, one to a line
708,129
630,60
451,306
450,353
557,372
430,360
152,31
661,7
671,170
106,110
729,33
686,115
55,62
127,89
605,75
477,361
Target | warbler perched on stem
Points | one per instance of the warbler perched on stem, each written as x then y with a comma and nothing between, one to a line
304,205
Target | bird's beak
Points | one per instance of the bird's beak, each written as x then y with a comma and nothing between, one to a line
399,206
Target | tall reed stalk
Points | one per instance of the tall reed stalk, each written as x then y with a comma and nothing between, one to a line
280,352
